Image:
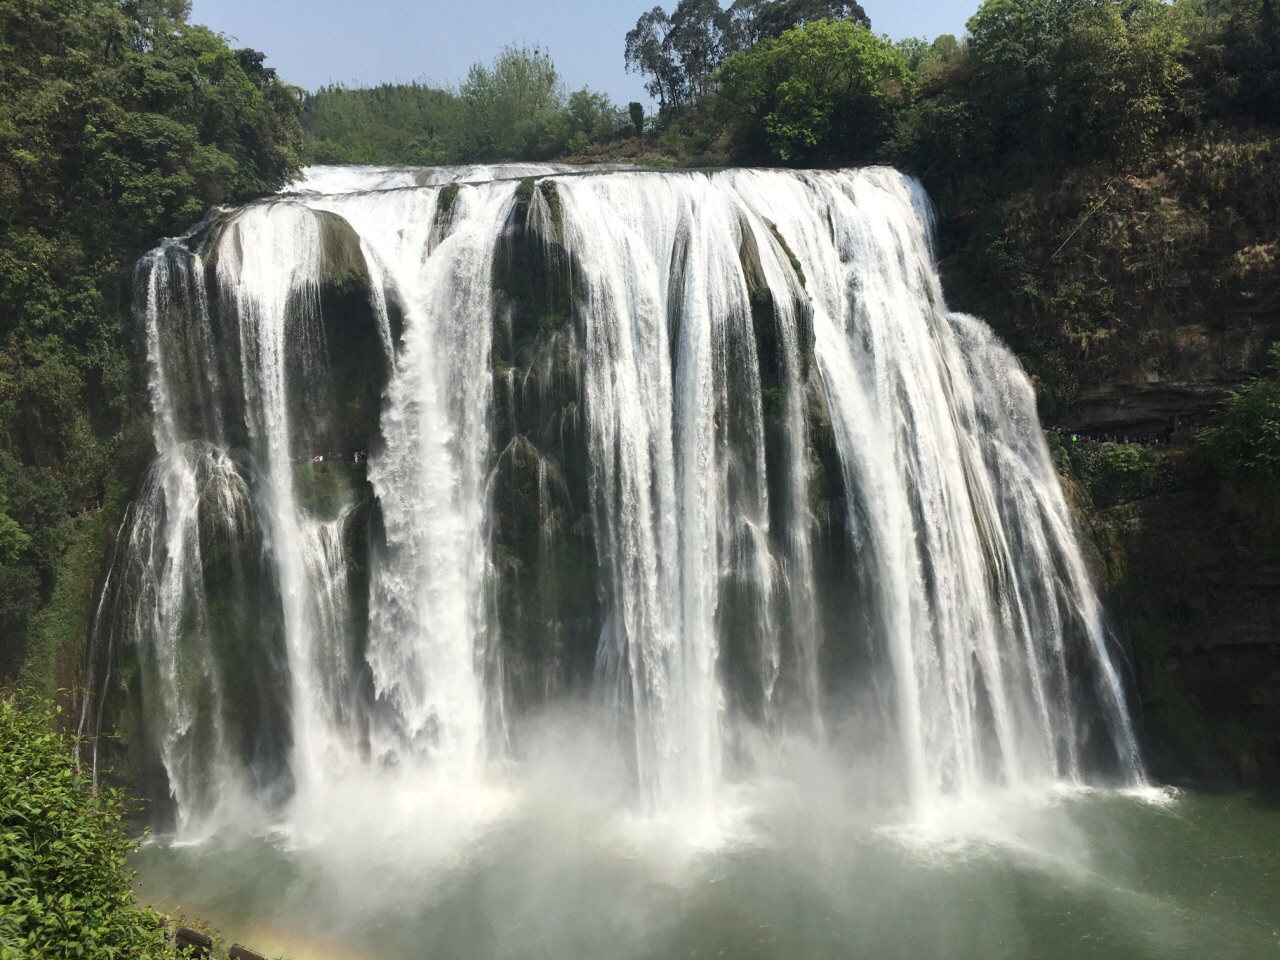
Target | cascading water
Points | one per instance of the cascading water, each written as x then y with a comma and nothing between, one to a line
439,450
978,586
428,630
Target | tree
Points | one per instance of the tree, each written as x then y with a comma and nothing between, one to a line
1013,45
515,107
1236,57
152,21
13,540
742,30
592,115
649,52
1121,72
946,134
1046,83
697,37
773,19
636,111
681,53
913,50
831,88
391,123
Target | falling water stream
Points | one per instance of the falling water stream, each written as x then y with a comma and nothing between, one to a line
540,562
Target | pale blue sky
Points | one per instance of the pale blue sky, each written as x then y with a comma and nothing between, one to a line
314,42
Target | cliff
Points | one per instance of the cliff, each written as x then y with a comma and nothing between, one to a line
1137,302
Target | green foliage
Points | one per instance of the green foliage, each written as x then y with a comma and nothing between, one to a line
913,51
773,19
832,88
592,117
13,539
677,52
514,108
1247,444
119,123
1105,172
390,123
1111,472
57,632
1235,57
1039,83
1042,83
446,200
1121,66
64,883
524,191
1124,471
116,121
635,112
681,52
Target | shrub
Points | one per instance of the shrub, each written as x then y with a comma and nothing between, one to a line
1247,444
64,882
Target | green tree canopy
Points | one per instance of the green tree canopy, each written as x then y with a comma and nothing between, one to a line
831,88
681,52
515,105
515,108
773,18
13,539
1050,82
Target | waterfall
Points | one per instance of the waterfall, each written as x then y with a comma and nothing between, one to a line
428,626
437,449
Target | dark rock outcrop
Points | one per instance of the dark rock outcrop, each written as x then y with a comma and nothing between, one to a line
1193,578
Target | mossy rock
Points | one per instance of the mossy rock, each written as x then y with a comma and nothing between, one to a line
205,238
536,278
343,267
524,193
325,488
791,257
764,322
551,193
55,655
342,261
336,405
446,203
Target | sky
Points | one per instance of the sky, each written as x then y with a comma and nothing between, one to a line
316,42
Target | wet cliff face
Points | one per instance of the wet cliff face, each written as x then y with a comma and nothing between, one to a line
1194,576
1187,366
548,590
1189,564
1134,301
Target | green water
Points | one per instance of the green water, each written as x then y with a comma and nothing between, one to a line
794,876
